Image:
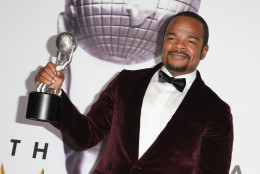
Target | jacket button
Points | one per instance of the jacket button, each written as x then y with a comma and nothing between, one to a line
137,169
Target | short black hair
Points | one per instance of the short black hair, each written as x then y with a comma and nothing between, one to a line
195,16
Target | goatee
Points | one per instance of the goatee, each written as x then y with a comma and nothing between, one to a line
176,68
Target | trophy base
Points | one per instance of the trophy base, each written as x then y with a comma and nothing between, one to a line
43,107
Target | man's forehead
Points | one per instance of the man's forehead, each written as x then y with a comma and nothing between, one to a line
185,26
185,22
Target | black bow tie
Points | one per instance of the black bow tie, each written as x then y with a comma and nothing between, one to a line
179,84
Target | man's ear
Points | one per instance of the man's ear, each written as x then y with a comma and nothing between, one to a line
204,52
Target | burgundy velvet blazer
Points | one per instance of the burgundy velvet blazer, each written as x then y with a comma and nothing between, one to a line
197,140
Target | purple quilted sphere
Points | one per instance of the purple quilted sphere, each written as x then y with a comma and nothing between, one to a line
122,31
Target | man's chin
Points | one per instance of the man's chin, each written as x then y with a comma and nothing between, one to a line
175,68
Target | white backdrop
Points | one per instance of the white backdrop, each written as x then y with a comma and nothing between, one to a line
231,69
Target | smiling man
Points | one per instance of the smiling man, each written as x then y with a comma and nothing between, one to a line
185,44
160,120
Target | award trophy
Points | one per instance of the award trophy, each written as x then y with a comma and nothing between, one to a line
43,105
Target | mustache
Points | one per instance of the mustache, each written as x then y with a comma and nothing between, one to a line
178,52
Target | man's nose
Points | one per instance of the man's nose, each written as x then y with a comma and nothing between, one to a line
180,44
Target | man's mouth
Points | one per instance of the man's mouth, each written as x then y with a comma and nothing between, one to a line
178,54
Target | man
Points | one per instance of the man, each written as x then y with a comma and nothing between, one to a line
156,124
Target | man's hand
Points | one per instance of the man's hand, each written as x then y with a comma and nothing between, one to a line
49,75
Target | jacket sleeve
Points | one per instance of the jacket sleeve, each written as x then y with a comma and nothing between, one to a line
217,142
87,130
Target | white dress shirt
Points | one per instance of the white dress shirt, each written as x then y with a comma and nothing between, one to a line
160,102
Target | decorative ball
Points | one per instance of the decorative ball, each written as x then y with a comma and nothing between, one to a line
66,42
123,31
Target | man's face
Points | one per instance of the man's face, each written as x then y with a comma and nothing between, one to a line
182,47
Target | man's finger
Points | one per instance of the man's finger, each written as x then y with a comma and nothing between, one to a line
52,67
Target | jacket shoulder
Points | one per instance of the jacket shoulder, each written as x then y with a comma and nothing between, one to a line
126,75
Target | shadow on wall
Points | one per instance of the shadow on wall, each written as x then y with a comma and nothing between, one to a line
30,86
74,155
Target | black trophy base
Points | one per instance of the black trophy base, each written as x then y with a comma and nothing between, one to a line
43,107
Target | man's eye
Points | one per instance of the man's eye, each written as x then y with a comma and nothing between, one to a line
191,41
170,38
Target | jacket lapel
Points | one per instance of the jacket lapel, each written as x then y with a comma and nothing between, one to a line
179,122
133,112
